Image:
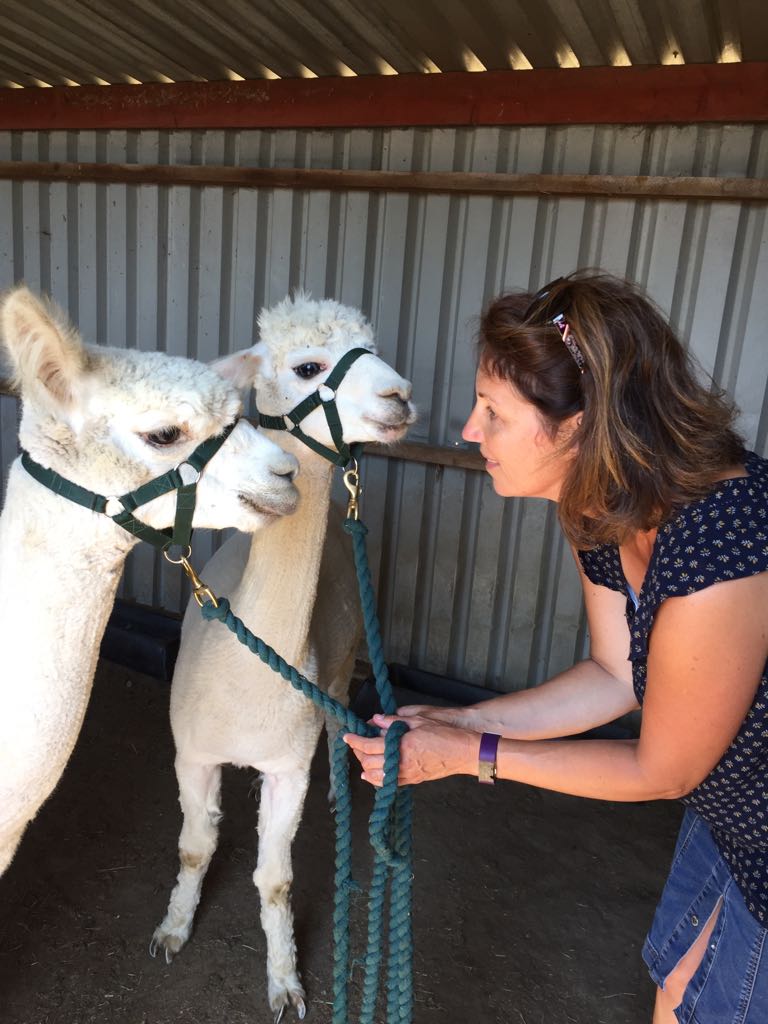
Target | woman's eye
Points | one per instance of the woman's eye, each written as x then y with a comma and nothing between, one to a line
308,370
162,438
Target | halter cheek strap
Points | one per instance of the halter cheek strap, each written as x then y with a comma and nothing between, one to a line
173,480
325,395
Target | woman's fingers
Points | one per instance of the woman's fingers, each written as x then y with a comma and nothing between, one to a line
364,744
369,751
375,776
384,721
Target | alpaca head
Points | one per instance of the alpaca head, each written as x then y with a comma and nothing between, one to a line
111,420
301,340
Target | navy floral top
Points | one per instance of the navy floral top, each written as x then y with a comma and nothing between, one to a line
724,536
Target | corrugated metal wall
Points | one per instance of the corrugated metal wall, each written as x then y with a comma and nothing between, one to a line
470,586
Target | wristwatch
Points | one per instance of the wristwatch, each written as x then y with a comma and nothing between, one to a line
486,764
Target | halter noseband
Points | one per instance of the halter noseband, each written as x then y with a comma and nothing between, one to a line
173,480
343,453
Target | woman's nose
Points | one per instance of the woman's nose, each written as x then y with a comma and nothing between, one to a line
470,432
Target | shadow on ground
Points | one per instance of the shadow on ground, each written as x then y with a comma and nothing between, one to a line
529,907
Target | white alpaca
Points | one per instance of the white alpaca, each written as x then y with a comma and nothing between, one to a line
296,589
108,421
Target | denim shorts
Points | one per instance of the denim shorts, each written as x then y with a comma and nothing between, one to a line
730,985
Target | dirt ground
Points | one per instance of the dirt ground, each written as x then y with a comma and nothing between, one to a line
529,907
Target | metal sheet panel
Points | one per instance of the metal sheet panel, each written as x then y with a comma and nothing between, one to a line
469,585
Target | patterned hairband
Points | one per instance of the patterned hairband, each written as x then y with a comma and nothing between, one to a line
558,320
569,341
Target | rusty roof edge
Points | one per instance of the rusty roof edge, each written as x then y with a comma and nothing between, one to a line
688,93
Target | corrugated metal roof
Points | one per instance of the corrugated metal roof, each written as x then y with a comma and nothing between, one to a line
77,42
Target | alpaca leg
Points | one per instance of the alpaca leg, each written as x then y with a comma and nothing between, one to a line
199,787
282,799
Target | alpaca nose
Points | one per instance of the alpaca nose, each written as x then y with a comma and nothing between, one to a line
401,390
286,468
401,405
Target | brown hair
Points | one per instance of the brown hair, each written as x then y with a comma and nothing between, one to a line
651,437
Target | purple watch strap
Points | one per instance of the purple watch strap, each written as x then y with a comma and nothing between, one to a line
489,743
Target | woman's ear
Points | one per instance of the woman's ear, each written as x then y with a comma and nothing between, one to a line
569,426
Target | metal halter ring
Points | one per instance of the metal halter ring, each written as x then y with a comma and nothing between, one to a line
198,473
181,559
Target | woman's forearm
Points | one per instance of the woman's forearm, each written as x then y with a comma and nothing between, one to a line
581,698
600,769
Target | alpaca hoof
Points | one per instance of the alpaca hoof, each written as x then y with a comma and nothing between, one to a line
169,943
288,997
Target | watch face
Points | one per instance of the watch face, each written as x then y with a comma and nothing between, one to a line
486,771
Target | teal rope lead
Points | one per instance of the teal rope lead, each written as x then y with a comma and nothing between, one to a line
389,829
270,657
357,532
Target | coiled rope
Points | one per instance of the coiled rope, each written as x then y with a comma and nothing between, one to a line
389,826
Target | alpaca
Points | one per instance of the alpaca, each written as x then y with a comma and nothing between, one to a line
296,588
109,421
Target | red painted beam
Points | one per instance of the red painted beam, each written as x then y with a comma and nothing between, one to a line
635,95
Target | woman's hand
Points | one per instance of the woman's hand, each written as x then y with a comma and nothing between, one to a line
432,712
429,750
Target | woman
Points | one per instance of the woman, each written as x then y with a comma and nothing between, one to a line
585,397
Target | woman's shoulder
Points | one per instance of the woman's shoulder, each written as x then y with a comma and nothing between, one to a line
738,502
722,536
602,566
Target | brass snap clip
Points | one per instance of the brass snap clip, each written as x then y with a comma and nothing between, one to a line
352,483
200,591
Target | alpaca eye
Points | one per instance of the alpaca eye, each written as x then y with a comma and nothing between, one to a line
163,437
308,370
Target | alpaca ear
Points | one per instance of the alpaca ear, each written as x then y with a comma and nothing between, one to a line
240,368
44,351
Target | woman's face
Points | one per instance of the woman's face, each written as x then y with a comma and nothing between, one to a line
519,454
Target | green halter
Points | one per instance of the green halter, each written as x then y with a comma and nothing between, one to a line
170,481
290,421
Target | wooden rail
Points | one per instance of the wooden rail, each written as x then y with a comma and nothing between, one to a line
464,183
431,454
